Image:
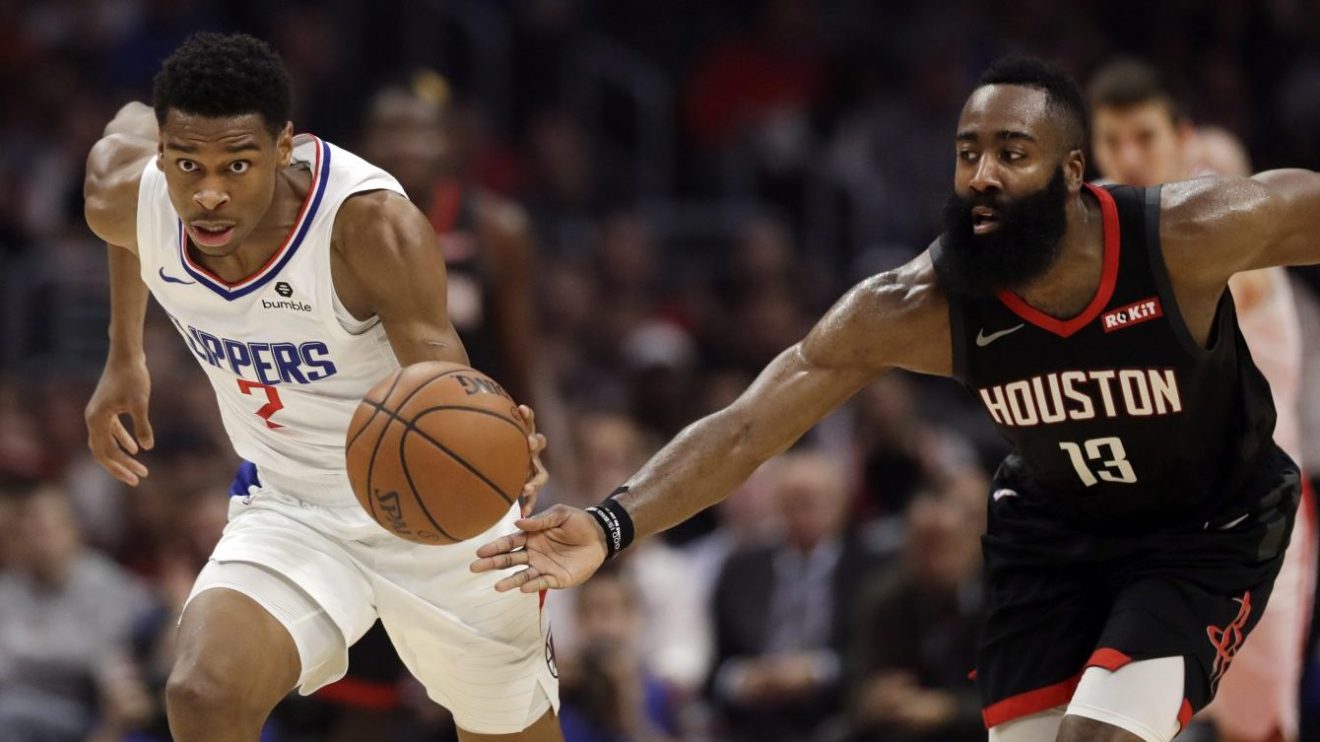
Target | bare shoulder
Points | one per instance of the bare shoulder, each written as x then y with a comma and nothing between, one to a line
381,246
110,187
1207,226
896,318
375,221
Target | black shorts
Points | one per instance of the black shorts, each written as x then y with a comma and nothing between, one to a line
1061,600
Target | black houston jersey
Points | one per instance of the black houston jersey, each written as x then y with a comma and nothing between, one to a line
1118,416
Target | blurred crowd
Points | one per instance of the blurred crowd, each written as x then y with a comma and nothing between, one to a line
640,204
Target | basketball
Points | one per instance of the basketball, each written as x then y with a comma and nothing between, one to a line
437,453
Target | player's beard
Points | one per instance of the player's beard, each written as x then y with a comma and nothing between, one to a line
1024,246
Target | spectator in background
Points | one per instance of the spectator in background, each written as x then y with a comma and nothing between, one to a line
782,612
609,693
1142,136
916,626
486,238
66,614
676,640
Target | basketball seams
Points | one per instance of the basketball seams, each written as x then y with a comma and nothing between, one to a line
449,452
469,408
395,412
412,487
398,376
378,406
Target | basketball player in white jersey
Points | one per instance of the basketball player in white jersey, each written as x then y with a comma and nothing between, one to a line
298,275
1142,136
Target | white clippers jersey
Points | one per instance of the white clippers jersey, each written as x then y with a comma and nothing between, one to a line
288,372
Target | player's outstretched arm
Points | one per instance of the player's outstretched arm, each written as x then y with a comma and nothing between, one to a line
897,319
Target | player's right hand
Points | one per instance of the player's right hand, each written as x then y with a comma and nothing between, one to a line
561,547
125,387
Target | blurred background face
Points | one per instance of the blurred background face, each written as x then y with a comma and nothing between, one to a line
1139,145
813,499
45,534
408,137
607,610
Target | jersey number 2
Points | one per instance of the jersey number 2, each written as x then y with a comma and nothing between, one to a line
1107,455
273,403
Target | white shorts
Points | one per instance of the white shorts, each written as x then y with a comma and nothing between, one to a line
485,656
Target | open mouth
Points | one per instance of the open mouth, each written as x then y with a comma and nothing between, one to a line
984,219
210,235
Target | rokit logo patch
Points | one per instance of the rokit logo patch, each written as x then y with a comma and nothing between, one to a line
285,290
1132,314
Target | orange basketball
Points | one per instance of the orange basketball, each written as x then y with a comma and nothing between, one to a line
437,453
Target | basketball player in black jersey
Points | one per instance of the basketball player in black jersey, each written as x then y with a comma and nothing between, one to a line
486,238
1136,529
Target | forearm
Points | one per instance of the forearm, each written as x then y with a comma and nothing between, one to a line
128,304
706,461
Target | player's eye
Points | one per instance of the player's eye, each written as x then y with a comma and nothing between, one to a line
187,166
967,155
239,167
1011,155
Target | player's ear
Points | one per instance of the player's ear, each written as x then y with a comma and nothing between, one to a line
1074,169
160,153
284,145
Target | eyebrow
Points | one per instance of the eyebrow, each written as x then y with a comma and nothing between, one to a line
243,146
1003,135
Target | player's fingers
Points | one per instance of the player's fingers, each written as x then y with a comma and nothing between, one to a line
503,544
548,519
112,458
528,417
543,582
536,443
500,561
517,579
122,435
142,426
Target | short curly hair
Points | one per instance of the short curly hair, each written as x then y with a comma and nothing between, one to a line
1064,94
221,75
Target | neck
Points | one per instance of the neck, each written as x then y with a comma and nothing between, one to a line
1068,286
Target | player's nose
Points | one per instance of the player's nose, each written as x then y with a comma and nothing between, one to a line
986,176
211,199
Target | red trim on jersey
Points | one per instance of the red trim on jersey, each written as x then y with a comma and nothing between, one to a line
1108,278
288,238
1109,659
362,694
1031,702
1184,714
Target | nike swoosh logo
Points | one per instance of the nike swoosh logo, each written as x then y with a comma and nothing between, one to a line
983,339
172,279
1002,493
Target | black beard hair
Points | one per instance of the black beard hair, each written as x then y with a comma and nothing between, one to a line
1024,246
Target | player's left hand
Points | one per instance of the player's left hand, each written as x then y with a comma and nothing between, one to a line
538,476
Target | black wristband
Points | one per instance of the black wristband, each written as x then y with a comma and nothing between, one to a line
615,522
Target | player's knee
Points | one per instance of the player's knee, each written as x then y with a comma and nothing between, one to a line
1082,729
197,694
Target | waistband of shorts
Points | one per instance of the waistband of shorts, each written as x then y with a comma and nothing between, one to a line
327,491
